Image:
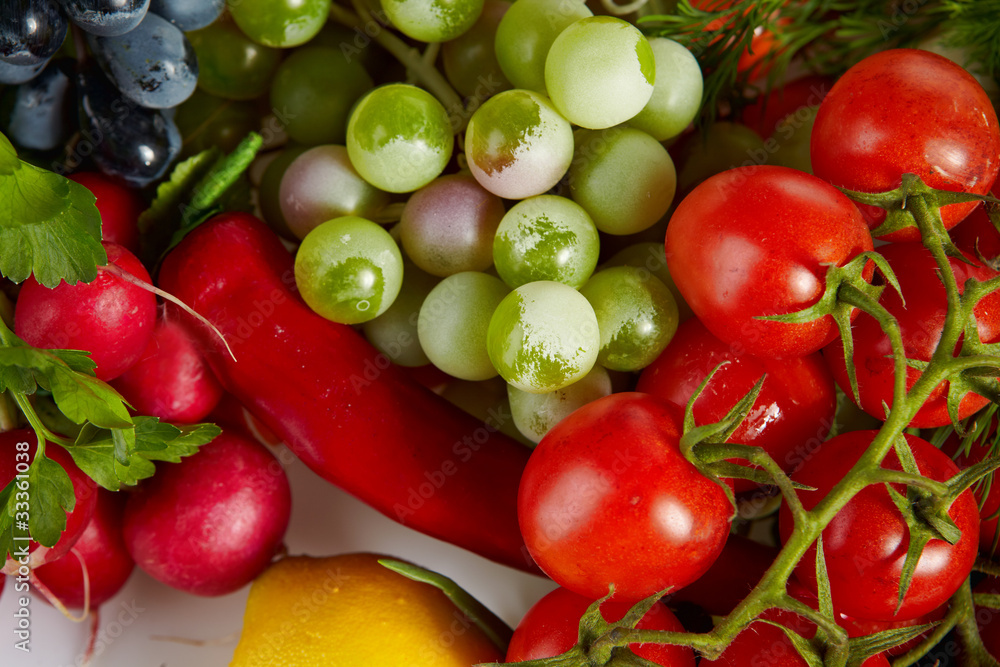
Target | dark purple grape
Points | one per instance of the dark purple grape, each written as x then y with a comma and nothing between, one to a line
126,141
154,65
188,14
12,75
36,115
106,18
31,31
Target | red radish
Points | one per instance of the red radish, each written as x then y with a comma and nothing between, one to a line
231,413
110,317
211,523
171,380
17,450
101,548
118,205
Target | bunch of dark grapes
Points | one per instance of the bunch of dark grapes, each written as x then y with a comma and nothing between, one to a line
133,64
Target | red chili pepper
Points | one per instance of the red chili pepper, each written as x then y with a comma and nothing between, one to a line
352,417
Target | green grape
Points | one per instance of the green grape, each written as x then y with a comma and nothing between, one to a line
517,144
791,140
321,184
432,20
677,91
470,61
650,258
599,72
636,314
394,332
526,33
448,226
399,138
269,191
546,238
623,177
349,270
536,414
314,90
722,146
230,64
280,23
206,120
454,320
543,336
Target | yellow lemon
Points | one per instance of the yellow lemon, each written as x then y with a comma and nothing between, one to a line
348,610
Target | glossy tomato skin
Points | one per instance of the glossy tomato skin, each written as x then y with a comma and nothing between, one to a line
551,627
921,321
757,241
866,543
907,111
794,410
607,497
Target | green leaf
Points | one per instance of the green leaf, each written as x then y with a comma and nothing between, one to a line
49,225
801,644
920,535
7,517
823,581
159,222
862,648
122,457
51,497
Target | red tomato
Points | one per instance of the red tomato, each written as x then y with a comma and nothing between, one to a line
921,321
119,206
755,241
866,543
907,111
608,498
793,411
551,627
989,502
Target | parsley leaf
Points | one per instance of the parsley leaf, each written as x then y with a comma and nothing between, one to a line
121,457
68,374
49,225
51,496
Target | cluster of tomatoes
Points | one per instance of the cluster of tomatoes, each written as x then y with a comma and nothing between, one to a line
779,268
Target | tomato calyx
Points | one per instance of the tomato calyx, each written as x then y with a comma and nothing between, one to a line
598,643
848,288
916,204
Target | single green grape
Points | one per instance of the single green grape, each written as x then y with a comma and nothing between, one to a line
623,177
207,121
470,61
677,91
600,72
454,320
280,23
432,20
722,146
349,270
636,314
314,90
543,336
546,238
791,140
650,258
536,414
269,190
230,64
399,137
526,33
517,144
